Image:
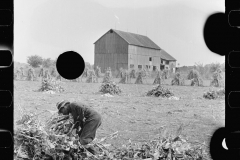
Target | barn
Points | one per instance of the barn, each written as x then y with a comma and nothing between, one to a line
119,49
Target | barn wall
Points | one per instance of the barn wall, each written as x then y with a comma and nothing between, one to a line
140,56
169,65
173,63
111,51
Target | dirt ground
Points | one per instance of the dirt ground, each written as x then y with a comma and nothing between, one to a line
132,114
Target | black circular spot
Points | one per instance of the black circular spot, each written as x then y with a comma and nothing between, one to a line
216,149
70,65
216,33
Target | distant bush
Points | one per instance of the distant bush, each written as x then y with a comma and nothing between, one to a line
35,61
214,67
47,63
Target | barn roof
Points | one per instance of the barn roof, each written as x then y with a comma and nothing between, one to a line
166,56
143,41
136,39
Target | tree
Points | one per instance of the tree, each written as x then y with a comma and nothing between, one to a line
200,68
54,62
34,61
47,63
223,67
214,67
87,65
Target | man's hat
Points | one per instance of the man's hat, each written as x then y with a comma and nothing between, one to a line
61,104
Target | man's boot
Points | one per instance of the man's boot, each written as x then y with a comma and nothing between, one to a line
91,149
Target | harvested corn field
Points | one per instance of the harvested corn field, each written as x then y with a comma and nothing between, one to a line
54,140
133,115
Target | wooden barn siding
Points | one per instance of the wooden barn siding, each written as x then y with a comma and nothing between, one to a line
111,51
172,62
140,56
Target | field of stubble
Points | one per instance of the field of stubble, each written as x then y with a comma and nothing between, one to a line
132,114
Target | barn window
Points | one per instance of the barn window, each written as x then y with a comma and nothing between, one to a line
154,68
131,65
167,62
161,61
139,66
111,31
162,67
150,59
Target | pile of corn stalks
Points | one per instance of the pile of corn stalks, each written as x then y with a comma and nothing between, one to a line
160,91
111,88
177,80
169,148
52,140
214,94
60,125
50,85
36,141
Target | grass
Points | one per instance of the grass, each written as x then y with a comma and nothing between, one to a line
134,115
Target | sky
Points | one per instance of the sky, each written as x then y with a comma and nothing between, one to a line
49,28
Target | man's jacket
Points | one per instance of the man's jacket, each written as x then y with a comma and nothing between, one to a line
81,113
